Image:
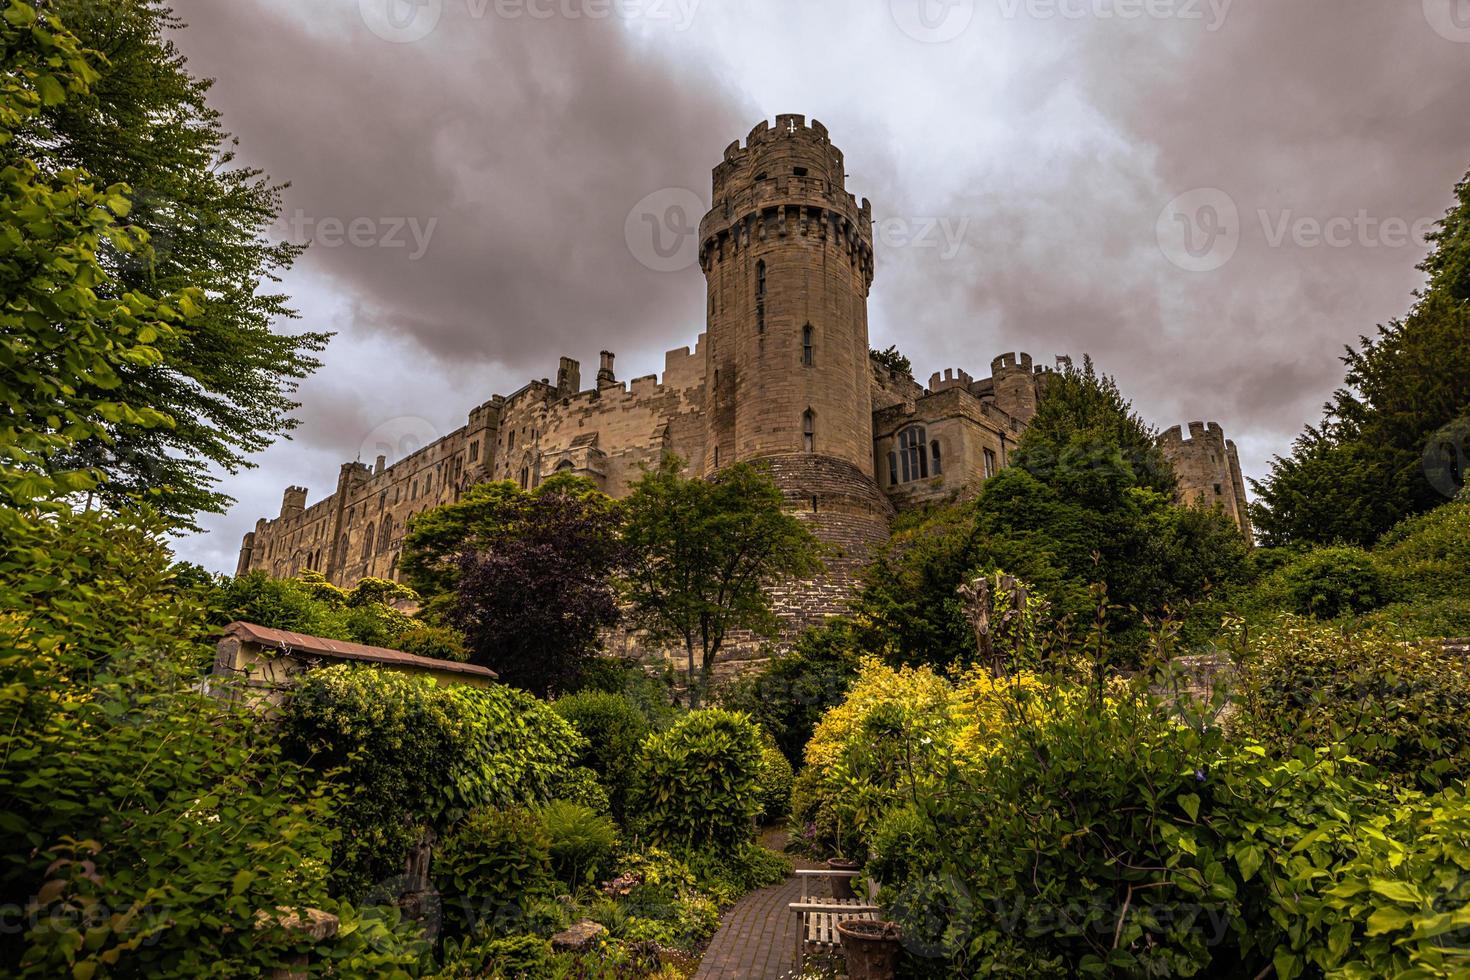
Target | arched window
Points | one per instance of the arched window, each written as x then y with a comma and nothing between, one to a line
808,356
934,455
384,533
342,551
525,477
809,431
367,543
565,466
913,453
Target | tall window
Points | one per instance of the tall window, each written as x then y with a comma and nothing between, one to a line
367,543
525,477
913,453
384,533
809,431
760,296
474,450
892,468
807,356
934,456
989,463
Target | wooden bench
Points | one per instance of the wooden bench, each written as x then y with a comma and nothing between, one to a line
817,918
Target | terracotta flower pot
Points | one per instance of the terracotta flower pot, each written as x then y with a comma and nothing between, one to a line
841,884
871,948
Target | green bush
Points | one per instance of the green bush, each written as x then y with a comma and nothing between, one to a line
1330,582
415,754
775,780
698,782
143,823
580,785
435,642
614,729
489,868
582,842
1402,708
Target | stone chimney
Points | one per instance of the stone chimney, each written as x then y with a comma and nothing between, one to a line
605,374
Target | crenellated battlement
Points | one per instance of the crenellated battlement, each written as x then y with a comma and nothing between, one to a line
1013,362
1199,433
952,378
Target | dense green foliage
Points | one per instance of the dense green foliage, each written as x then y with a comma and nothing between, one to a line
145,822
311,605
582,842
1402,708
773,782
791,691
74,337
201,222
490,867
699,782
702,555
1394,439
614,729
419,755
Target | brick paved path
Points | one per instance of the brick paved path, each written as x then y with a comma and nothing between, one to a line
757,937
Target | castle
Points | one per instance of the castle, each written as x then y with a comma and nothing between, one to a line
782,374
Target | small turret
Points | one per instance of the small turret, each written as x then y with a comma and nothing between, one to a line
293,502
605,374
568,377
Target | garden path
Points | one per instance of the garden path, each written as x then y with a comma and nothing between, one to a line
757,935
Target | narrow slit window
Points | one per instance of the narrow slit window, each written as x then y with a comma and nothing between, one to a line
809,431
934,455
808,354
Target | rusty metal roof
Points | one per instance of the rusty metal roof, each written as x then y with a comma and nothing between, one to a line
286,641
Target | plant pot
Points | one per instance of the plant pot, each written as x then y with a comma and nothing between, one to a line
871,948
841,884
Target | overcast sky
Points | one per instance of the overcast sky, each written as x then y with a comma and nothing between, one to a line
1211,197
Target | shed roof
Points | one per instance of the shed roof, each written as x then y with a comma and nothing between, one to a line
285,640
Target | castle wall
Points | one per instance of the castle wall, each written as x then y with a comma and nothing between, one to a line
958,430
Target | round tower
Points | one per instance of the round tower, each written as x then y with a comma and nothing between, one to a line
787,255
788,258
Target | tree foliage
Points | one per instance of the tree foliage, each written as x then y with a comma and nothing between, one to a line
533,580
196,219
74,334
702,555
1395,439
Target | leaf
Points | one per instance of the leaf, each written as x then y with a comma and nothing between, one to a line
1190,803
1397,891
1249,860
1387,920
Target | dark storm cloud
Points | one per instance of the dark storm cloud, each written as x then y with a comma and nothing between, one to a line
470,190
1332,126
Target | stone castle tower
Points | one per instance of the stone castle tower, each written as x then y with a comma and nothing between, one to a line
787,255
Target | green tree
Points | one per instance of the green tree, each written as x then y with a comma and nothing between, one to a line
72,335
702,556
1395,439
201,220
